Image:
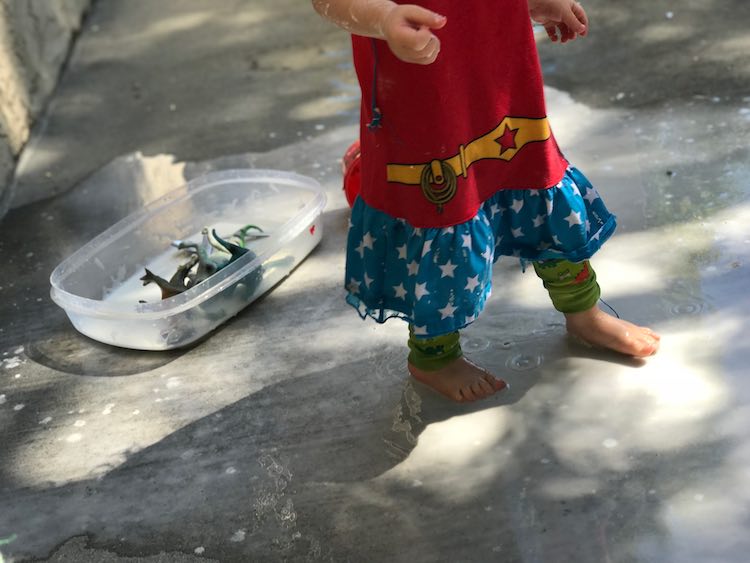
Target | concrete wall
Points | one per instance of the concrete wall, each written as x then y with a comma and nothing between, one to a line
34,40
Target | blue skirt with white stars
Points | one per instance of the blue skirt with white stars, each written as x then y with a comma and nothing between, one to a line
438,279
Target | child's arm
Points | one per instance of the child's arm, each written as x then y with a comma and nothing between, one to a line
405,27
567,16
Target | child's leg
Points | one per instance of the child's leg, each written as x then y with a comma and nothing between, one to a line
575,293
439,363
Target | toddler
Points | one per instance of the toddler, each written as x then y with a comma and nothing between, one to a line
459,167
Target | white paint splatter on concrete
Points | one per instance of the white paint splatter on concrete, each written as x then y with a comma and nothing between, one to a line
136,412
108,409
46,420
2,399
199,550
18,407
11,363
231,471
173,382
610,443
79,423
73,438
238,536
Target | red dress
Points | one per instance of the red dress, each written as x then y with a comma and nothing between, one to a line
456,131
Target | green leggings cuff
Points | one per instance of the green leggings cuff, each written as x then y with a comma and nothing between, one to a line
572,286
430,354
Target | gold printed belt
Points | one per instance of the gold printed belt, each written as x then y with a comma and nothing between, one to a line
438,178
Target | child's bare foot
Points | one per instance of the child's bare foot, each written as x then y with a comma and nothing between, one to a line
461,381
601,329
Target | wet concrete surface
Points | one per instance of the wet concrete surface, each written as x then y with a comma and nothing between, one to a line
292,432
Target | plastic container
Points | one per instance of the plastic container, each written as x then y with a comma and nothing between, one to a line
99,286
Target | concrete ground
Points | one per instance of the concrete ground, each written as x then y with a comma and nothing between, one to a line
292,432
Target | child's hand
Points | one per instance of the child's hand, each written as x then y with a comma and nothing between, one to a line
565,16
406,28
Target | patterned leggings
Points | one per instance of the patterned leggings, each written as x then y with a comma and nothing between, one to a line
571,286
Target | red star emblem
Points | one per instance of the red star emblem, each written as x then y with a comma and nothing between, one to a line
507,140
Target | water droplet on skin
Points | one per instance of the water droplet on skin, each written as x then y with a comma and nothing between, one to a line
525,362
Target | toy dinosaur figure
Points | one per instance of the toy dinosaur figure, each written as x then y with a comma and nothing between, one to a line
205,259
168,289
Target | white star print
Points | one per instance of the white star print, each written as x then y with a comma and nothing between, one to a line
447,269
401,251
517,205
588,225
447,311
591,195
472,283
353,286
556,240
420,291
574,218
467,241
550,207
517,232
533,192
400,290
576,191
596,235
538,221
368,240
368,280
413,267
421,330
449,230
487,254
361,249
471,318
494,209
425,248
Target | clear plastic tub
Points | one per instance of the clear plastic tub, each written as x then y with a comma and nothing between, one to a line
99,286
